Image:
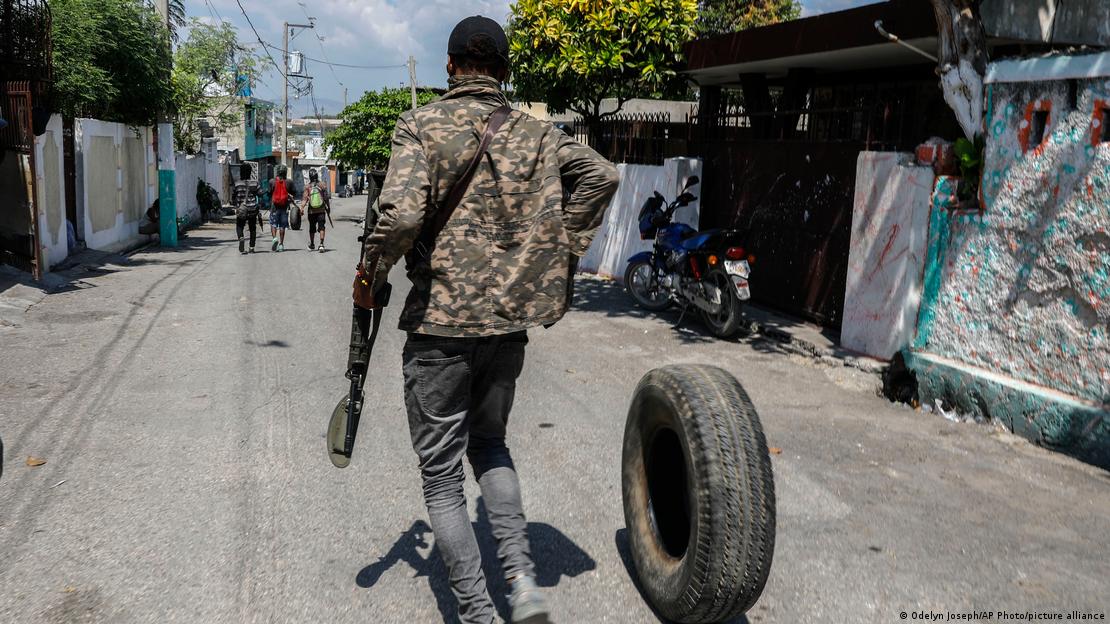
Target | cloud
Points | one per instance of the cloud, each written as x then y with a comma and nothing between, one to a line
375,32
357,32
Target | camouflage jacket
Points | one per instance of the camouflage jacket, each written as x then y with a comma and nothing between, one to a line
502,262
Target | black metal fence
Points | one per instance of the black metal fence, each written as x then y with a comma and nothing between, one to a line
882,116
25,45
638,138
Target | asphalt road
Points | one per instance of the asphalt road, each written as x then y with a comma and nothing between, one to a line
180,397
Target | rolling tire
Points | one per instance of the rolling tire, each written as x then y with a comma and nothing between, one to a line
699,499
633,278
728,323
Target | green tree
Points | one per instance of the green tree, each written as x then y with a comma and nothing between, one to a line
716,17
209,70
365,137
111,60
572,54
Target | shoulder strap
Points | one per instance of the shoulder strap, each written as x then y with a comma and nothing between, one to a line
454,198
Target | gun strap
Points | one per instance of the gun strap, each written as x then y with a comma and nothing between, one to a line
431,230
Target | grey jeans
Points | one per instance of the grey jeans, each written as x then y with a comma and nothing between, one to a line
459,392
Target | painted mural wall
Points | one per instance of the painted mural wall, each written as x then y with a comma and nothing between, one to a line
1023,289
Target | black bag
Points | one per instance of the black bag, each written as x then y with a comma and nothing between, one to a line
294,217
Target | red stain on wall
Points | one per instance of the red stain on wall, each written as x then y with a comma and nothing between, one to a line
1099,118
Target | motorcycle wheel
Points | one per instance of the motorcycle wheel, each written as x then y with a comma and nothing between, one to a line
638,279
726,323
698,494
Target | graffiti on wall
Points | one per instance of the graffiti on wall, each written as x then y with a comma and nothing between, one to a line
887,254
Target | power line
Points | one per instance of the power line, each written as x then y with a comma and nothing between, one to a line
216,12
320,41
265,46
315,60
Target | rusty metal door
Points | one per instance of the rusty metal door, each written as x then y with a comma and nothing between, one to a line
21,250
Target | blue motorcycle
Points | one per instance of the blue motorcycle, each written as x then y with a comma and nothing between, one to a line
706,270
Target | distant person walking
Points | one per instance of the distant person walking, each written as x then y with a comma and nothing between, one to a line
319,206
246,195
279,210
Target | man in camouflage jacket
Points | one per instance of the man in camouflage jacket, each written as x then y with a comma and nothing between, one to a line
501,265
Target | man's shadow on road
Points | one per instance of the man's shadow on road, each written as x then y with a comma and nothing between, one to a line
555,555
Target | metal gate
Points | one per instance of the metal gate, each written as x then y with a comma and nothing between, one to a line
21,250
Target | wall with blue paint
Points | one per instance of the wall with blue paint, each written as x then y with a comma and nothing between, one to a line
1023,287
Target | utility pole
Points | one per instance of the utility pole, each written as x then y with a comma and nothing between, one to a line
167,176
412,78
344,97
285,89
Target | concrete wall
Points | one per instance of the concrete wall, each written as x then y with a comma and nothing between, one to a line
214,172
51,194
1016,304
619,236
117,181
886,260
1048,21
189,170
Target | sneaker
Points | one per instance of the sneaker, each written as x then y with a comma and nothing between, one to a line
529,606
252,249
311,245
321,248
281,247
275,245
242,246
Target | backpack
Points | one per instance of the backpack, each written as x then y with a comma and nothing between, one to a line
281,194
315,198
247,197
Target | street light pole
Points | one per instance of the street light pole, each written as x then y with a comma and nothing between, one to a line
285,88
285,94
167,176
412,79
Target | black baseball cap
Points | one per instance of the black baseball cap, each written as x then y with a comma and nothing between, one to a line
478,26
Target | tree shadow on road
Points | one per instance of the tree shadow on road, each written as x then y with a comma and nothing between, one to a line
625,552
555,555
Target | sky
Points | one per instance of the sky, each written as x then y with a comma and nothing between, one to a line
377,33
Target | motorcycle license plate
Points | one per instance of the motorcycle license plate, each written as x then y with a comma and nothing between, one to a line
742,290
738,268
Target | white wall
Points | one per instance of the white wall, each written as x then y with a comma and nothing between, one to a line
51,191
886,260
619,236
213,170
117,180
189,170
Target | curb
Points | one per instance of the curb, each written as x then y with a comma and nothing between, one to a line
824,355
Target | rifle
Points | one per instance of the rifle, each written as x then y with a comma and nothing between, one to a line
366,318
368,305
